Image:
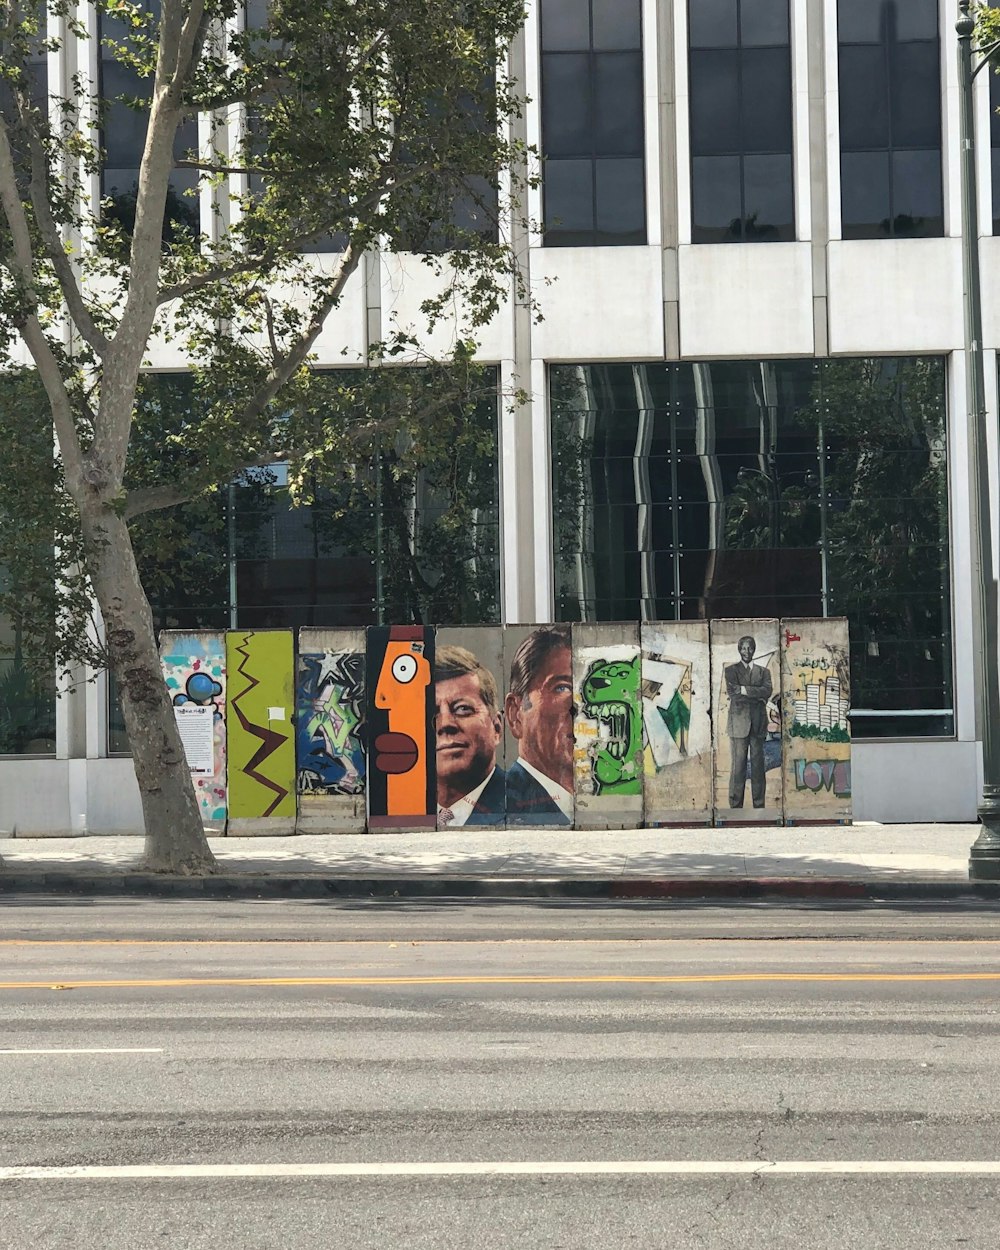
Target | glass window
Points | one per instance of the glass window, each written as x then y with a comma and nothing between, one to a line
592,122
393,540
890,118
766,488
124,135
995,145
740,73
27,701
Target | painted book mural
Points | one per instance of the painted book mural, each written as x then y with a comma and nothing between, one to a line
261,734
331,766
402,790
608,728
598,725
468,725
538,710
746,715
194,668
816,696
676,692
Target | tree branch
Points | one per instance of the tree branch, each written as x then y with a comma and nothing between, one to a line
38,344
53,244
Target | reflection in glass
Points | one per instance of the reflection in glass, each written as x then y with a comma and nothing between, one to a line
389,541
740,83
765,489
890,119
593,131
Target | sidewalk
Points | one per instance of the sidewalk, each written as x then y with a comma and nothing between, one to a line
864,861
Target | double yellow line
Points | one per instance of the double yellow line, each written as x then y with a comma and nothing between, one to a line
734,978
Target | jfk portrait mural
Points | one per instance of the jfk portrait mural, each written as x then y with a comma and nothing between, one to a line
749,688
468,726
539,713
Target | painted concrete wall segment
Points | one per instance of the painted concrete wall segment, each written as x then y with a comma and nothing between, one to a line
538,710
599,725
608,728
330,757
746,720
261,742
194,668
816,699
468,722
676,692
402,789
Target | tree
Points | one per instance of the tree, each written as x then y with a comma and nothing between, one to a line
341,125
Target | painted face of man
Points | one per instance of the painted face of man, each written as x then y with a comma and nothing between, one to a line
747,649
542,720
468,734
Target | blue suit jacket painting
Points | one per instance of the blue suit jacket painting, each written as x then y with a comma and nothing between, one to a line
489,808
528,803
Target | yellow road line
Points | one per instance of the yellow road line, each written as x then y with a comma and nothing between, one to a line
380,982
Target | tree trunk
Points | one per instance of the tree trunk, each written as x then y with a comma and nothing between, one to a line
175,837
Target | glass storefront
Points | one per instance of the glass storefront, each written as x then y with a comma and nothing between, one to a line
767,488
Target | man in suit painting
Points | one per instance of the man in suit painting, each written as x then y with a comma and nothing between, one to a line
749,688
468,724
539,709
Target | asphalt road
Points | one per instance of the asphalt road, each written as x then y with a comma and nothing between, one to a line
379,1057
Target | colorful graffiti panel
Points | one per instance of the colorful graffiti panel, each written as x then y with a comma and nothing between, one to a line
746,721
607,728
538,714
468,727
194,668
329,730
402,790
816,696
676,693
261,734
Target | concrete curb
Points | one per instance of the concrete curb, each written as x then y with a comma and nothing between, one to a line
318,885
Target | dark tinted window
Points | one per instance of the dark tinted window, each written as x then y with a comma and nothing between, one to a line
740,73
593,131
890,118
766,488
124,135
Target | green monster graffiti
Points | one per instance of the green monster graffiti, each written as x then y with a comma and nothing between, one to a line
611,695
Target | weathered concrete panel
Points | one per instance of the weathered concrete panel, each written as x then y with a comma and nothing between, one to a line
816,694
329,742
746,694
538,663
194,668
261,734
468,722
402,793
608,726
676,695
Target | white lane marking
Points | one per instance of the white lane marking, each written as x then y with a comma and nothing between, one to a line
616,1167
96,1050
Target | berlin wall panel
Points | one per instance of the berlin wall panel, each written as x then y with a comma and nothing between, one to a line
402,791
746,721
608,726
816,694
329,730
538,708
260,665
676,692
194,668
468,723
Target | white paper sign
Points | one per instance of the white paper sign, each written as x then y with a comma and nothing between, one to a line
196,725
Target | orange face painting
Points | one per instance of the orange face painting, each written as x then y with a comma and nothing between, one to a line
401,753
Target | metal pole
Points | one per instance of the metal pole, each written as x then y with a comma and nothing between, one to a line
984,856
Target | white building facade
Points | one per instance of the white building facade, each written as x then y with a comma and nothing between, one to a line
747,389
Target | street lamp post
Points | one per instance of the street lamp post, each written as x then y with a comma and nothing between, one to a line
984,856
